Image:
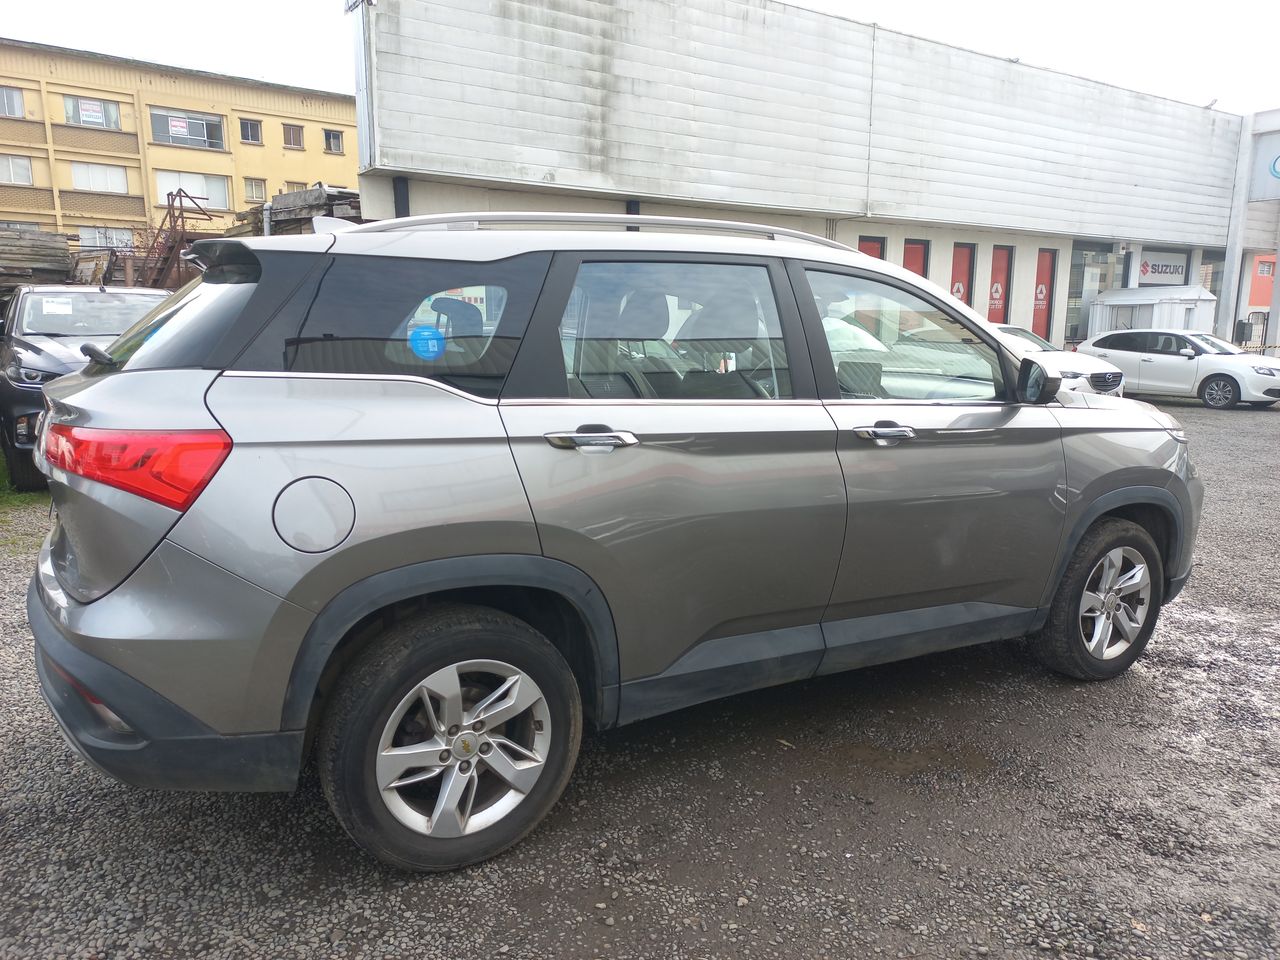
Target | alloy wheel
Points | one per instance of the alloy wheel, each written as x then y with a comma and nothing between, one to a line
1115,604
463,748
1219,393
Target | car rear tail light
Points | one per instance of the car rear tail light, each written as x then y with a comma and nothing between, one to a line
170,468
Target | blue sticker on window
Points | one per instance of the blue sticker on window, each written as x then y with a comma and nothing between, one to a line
426,342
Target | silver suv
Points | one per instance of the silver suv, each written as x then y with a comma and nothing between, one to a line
422,501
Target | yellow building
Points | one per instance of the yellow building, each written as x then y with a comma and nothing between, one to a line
92,144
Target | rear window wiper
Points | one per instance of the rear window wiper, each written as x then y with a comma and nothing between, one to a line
98,355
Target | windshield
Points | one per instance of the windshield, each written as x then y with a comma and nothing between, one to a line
83,313
1029,337
1212,344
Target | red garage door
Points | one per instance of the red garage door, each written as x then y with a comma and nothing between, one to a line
872,246
915,256
962,257
1001,280
1042,307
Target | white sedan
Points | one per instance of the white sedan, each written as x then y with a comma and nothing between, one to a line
1086,374
1184,363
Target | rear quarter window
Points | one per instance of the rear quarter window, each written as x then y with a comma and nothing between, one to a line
458,322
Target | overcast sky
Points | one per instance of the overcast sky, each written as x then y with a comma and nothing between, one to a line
1221,50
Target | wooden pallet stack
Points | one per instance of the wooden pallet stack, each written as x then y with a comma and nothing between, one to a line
33,256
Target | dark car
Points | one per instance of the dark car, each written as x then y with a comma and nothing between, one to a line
44,329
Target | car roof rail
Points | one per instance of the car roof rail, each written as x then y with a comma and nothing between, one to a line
474,221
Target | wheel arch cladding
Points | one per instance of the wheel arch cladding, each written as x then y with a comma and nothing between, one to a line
1155,509
553,597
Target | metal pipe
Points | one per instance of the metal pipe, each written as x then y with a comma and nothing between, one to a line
266,219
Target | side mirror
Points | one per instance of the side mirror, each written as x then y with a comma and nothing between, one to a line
1037,383
1188,353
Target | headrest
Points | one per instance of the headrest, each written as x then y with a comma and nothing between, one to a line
465,319
730,316
645,317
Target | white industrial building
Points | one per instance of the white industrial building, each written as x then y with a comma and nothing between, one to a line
1031,190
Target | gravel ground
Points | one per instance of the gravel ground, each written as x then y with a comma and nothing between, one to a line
963,804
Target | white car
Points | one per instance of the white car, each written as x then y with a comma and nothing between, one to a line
1184,363
1086,374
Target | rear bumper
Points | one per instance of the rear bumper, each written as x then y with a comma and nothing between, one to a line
164,747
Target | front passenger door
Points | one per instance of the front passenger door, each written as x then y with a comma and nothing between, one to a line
1165,369
957,495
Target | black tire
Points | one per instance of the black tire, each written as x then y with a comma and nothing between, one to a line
24,475
1219,385
1060,645
376,683
1263,404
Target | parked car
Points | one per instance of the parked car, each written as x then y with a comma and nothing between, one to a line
1078,371
1184,363
315,508
44,328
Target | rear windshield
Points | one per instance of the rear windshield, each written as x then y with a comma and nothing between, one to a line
184,327
457,322
83,313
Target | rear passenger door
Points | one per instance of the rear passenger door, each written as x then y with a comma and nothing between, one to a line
665,424
956,494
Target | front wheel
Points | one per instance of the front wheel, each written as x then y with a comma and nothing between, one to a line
1219,392
1107,604
450,738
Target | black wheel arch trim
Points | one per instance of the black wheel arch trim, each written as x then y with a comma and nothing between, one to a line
383,589
1137,496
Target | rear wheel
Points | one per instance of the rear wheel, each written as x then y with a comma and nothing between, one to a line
1107,604
450,738
1219,392
24,475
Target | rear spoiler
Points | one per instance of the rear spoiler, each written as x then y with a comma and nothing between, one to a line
206,254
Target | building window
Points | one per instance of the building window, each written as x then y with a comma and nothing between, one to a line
208,191
1266,268
293,186
106,237
293,136
18,225
11,102
250,131
333,141
184,129
101,177
15,170
88,112
255,190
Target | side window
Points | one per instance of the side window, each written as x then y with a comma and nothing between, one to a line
685,331
887,343
1167,343
453,321
1129,342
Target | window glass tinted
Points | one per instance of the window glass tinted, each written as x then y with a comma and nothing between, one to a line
1167,343
887,343
457,322
685,331
1136,342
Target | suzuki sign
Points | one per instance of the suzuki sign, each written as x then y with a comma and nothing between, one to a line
1157,269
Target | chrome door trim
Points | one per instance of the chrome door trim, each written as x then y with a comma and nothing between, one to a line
398,377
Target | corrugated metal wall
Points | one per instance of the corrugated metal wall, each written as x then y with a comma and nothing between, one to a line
755,103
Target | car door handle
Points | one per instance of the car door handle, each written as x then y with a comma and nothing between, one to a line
886,433
1104,354
591,438
1148,360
